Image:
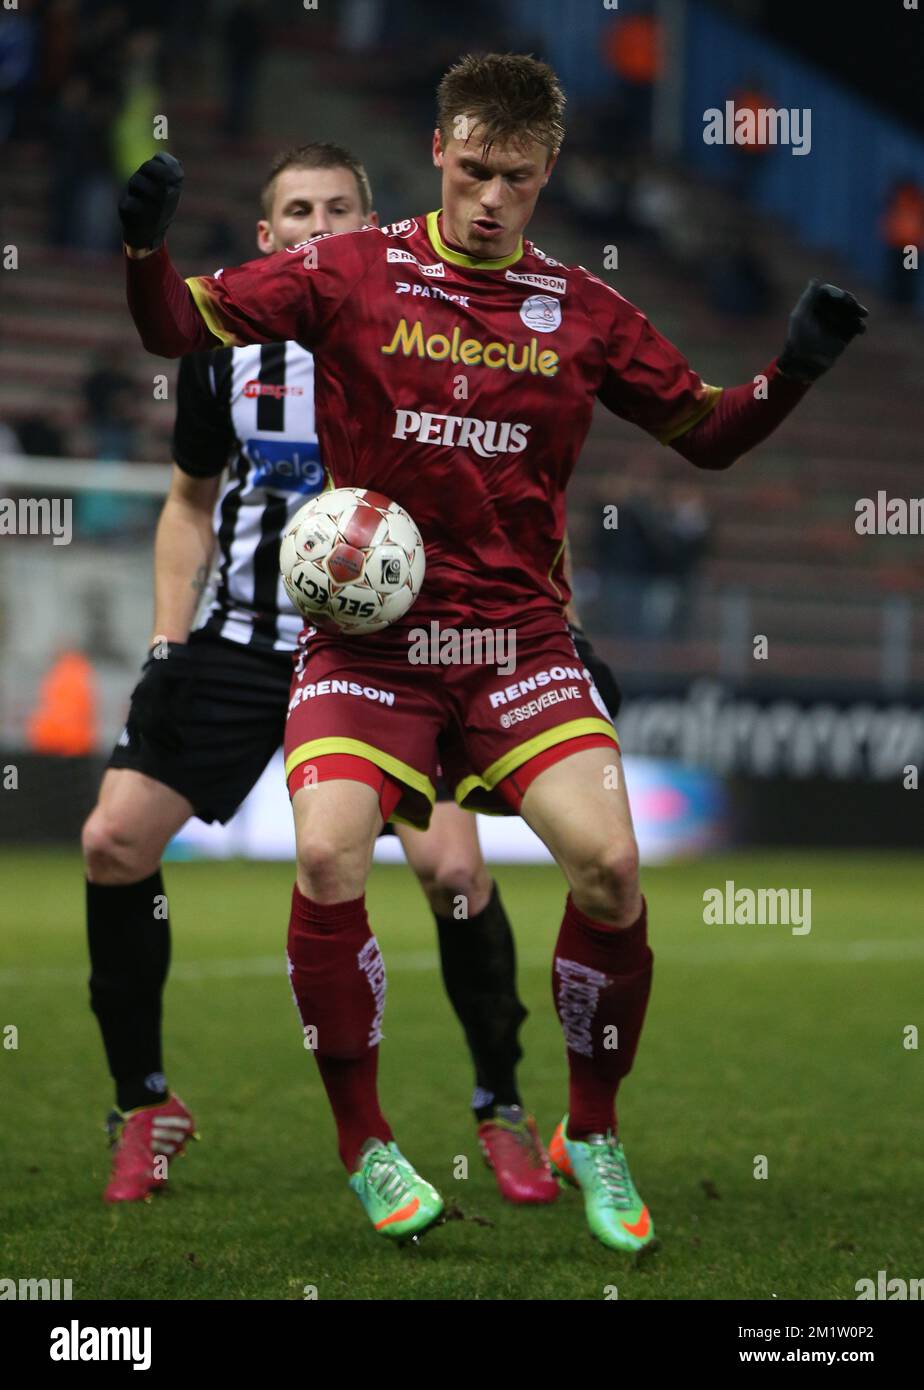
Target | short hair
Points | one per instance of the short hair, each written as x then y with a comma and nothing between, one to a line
513,97
319,155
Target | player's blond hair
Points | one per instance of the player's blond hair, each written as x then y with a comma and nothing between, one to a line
511,98
319,155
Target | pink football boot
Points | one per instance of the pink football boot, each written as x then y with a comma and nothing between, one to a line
144,1141
512,1148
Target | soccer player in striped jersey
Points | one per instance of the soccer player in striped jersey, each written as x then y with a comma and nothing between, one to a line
458,366
210,711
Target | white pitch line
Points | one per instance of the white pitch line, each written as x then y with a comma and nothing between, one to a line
801,950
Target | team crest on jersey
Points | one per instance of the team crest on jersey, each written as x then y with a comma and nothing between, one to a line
541,312
552,283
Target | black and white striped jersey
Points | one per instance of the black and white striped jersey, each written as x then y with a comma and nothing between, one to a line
250,410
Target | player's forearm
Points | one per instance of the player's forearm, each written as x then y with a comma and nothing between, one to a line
182,555
741,419
165,314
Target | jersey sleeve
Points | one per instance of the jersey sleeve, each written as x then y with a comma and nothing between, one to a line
646,380
292,294
203,435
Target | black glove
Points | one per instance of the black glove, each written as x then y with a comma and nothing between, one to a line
161,698
820,327
603,677
149,203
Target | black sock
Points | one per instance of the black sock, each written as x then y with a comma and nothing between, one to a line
478,960
129,938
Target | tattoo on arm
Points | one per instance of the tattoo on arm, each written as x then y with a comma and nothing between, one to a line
199,582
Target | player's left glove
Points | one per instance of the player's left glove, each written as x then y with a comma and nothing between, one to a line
603,677
150,200
160,699
820,327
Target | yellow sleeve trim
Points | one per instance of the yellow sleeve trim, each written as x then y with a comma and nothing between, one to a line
204,304
712,396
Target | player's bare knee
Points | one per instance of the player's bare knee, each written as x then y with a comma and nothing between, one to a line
605,885
458,888
328,871
110,855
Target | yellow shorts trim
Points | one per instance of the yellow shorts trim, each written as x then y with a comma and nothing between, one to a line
712,397
204,305
516,757
402,772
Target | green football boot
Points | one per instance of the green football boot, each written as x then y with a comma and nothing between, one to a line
397,1200
616,1214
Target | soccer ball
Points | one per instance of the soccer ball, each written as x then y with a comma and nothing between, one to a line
352,560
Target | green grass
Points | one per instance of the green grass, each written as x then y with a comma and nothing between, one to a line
757,1042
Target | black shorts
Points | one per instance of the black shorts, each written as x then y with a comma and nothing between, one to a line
235,723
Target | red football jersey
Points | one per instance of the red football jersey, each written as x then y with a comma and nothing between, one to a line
463,389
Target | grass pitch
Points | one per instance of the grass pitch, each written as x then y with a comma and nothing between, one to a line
757,1043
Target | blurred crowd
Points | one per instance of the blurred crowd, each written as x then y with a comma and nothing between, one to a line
87,79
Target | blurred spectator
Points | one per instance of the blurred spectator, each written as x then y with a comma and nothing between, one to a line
111,398
57,53
39,438
18,42
684,544
83,190
64,719
648,561
901,226
739,280
9,441
628,556
750,156
245,45
632,50
111,406
220,245
133,132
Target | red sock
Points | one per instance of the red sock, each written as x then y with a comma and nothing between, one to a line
601,978
338,982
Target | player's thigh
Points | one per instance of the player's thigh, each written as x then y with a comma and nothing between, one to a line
580,810
134,819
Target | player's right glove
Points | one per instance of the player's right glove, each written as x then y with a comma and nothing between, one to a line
603,677
161,698
820,327
149,203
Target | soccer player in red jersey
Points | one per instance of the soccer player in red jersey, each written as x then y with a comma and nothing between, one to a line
457,370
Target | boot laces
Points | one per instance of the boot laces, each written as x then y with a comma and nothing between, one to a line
611,1169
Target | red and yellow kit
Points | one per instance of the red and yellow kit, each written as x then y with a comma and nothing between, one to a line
463,389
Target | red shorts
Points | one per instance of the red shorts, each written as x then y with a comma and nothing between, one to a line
480,723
